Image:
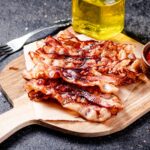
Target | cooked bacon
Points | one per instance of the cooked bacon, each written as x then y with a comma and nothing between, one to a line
75,76
62,61
82,75
85,77
72,46
88,111
49,86
68,95
115,60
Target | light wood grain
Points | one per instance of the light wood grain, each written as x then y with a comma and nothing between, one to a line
15,119
22,114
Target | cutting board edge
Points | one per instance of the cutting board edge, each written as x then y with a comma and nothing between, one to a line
58,127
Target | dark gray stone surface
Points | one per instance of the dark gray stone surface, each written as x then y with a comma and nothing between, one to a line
18,17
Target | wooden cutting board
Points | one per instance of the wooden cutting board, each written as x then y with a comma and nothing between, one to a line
23,114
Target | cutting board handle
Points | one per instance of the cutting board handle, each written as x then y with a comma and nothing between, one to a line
15,119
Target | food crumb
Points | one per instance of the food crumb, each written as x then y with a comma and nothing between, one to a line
13,68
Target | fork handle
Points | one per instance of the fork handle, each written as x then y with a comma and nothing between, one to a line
57,24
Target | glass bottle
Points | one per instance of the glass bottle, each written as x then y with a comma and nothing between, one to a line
100,19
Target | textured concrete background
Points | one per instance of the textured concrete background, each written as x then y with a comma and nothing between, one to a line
18,17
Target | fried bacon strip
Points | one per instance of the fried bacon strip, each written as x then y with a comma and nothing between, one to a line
83,63
113,59
62,61
88,111
72,97
72,46
78,77
82,75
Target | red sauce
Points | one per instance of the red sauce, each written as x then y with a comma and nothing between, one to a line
148,56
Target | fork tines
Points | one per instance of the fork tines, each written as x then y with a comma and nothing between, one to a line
4,50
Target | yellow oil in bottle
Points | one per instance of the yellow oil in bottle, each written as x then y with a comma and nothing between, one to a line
100,19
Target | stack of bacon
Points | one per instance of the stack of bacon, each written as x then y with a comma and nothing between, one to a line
82,76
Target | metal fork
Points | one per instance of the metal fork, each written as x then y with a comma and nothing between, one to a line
18,43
